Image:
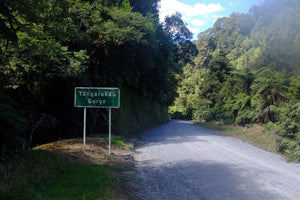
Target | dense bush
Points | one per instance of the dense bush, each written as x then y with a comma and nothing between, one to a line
247,71
49,47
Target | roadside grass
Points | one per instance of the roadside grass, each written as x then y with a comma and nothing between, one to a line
254,134
120,142
117,141
62,170
39,174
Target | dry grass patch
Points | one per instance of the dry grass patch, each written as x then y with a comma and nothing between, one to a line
63,170
96,150
254,135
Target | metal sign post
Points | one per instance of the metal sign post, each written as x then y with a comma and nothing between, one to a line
92,97
109,132
84,127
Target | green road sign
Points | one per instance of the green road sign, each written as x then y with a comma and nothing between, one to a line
93,97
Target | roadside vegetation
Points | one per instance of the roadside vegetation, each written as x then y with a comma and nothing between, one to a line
49,47
62,170
44,175
254,134
247,71
243,71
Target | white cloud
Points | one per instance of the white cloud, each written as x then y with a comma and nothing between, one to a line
194,30
198,16
217,16
197,22
169,7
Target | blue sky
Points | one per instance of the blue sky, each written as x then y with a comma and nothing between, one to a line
201,14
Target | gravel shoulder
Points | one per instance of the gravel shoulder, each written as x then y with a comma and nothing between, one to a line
180,160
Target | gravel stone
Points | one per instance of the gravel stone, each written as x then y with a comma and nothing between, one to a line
182,161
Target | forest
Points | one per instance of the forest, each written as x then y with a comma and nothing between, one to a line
49,47
247,71
244,70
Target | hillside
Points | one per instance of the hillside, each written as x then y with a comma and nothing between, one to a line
50,47
247,71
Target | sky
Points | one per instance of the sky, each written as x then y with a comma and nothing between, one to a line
200,15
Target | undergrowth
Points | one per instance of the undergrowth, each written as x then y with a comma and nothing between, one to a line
45,175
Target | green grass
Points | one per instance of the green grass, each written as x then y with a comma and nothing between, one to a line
45,175
119,141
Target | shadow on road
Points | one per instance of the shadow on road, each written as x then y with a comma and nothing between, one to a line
202,181
180,160
178,131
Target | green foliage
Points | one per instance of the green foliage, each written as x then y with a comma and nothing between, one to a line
247,71
294,88
287,130
49,47
45,175
11,114
122,27
13,123
246,77
291,149
272,88
176,28
184,52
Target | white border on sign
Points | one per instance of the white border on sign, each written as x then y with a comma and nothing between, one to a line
109,88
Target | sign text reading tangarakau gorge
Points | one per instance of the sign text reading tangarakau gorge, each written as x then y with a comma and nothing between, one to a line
97,97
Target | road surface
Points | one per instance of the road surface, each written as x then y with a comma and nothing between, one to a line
179,161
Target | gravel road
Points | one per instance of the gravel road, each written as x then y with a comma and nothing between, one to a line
179,160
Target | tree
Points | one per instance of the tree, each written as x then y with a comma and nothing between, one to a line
247,71
219,66
184,52
246,76
176,28
294,87
272,88
145,7
49,47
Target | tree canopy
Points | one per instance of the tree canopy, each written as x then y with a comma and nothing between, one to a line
48,47
247,71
